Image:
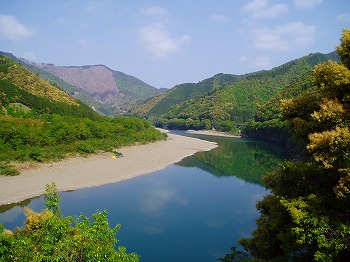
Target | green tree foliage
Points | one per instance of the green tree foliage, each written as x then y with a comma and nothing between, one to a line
54,136
48,236
308,216
269,124
24,79
40,122
228,101
183,92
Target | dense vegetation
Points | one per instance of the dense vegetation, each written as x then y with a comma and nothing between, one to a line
39,122
16,74
269,124
49,236
183,92
134,89
225,102
307,216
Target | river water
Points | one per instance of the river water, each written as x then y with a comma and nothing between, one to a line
194,210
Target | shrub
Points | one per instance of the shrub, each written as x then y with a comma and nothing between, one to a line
8,170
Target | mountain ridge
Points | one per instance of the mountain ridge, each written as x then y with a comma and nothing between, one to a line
228,100
107,91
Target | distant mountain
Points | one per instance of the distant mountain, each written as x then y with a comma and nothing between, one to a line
25,89
183,92
107,91
227,100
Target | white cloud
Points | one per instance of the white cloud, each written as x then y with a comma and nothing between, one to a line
283,37
343,18
307,4
154,11
156,39
218,18
262,62
261,9
256,62
154,36
12,29
31,56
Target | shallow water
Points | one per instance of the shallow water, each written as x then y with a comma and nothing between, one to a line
194,210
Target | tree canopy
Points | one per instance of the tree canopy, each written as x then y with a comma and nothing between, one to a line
307,218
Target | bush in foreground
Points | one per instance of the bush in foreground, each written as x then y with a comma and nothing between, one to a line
48,236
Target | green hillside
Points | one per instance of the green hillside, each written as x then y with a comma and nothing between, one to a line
75,92
183,92
233,103
40,122
18,85
135,88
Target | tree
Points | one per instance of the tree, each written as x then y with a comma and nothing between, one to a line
307,218
48,236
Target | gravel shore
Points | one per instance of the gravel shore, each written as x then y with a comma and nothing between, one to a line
79,172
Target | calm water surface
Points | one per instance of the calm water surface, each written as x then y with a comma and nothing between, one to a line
194,210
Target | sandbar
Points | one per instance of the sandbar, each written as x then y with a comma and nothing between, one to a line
211,133
99,169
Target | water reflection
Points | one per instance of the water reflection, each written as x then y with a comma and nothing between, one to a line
155,198
247,159
192,211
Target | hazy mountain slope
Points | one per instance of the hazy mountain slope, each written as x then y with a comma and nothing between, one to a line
111,88
107,91
26,80
98,81
134,87
18,85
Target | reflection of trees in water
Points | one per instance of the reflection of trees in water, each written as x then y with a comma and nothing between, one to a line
23,203
246,159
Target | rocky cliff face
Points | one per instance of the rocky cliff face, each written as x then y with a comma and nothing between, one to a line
107,91
97,80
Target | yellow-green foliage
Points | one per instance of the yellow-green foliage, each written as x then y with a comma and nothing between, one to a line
312,196
48,236
55,136
22,78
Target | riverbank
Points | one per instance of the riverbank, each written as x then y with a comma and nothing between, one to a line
211,133
79,172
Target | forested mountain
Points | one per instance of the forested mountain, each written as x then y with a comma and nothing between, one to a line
41,122
268,123
163,103
107,91
18,85
227,100
305,216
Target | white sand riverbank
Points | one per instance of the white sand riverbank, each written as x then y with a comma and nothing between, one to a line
211,133
96,170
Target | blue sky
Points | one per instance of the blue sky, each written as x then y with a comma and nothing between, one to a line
165,43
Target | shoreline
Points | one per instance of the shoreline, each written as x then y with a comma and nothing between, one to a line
211,133
99,169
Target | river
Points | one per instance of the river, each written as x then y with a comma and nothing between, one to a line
194,210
